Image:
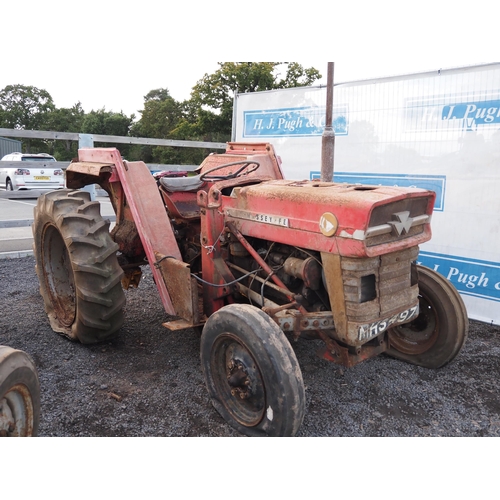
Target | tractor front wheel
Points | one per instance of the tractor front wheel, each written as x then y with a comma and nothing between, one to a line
439,332
77,267
19,394
251,372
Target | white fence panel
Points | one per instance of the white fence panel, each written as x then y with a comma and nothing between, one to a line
438,131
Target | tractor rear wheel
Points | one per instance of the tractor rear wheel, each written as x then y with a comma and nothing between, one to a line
19,394
439,332
77,266
251,372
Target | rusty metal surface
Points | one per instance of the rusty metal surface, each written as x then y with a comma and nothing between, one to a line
340,355
131,278
80,174
181,205
287,211
364,309
259,259
263,153
328,137
125,233
147,209
181,287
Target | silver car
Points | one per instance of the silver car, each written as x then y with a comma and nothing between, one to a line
44,175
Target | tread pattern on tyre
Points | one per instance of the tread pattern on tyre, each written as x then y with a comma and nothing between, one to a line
17,368
277,363
97,275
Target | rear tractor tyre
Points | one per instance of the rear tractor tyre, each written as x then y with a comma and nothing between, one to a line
19,394
251,372
439,332
77,266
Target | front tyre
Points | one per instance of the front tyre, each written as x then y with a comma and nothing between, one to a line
251,372
77,266
19,394
439,332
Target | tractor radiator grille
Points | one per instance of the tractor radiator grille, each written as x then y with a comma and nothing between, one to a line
379,287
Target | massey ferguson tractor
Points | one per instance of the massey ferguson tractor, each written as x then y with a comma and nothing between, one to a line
256,263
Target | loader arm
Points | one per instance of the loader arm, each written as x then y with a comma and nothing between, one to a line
146,206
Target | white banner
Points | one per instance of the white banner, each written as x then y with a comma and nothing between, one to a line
438,131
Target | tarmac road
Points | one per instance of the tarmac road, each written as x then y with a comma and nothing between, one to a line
16,211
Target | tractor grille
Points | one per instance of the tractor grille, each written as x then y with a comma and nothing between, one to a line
379,287
396,221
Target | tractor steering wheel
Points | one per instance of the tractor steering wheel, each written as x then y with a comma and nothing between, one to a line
243,170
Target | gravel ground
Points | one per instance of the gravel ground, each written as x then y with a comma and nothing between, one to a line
148,381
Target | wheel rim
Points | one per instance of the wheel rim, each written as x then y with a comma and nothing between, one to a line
237,380
58,276
16,413
419,335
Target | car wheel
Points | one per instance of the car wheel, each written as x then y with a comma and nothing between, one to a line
8,185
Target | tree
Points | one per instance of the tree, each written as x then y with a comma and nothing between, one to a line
24,107
64,120
104,122
160,116
214,94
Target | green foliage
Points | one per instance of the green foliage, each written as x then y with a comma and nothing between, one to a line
206,116
24,107
214,94
160,115
64,120
102,122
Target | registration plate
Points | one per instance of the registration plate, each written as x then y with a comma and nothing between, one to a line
42,178
367,332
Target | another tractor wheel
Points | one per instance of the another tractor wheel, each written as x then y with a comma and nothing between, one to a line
77,266
251,372
439,332
19,394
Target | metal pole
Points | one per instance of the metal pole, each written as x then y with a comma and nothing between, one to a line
328,138
87,141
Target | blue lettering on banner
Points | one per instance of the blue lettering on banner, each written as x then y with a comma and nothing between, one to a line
293,122
473,114
473,277
457,113
436,183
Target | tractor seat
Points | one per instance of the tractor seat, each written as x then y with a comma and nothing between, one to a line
185,184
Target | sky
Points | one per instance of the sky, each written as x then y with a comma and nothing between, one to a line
109,54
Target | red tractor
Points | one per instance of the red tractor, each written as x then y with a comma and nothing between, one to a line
254,260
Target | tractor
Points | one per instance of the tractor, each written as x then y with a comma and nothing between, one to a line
255,263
